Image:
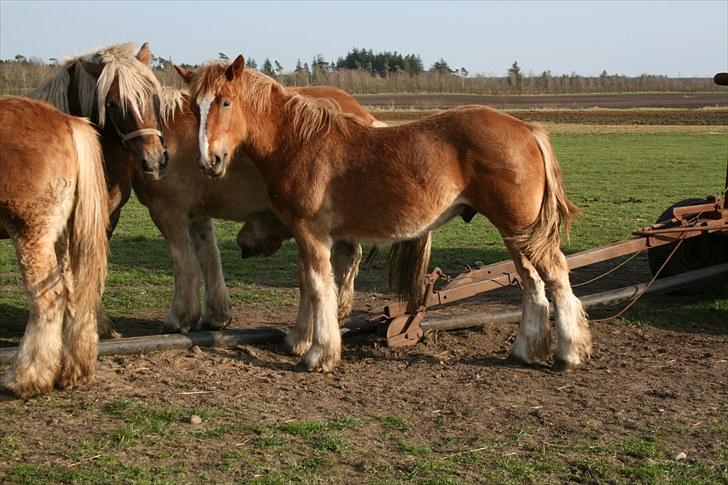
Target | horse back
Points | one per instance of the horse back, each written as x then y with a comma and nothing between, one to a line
36,144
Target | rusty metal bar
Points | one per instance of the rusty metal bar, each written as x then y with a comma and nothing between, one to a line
604,298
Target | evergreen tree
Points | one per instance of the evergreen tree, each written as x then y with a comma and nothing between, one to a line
251,63
515,76
441,67
268,68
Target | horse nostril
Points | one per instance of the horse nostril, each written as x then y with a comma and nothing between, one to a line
216,160
145,164
224,156
165,159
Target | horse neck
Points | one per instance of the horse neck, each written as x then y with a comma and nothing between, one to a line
118,161
272,141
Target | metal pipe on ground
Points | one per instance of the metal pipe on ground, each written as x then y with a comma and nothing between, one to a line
267,335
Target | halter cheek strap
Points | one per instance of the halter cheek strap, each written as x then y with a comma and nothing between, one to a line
138,133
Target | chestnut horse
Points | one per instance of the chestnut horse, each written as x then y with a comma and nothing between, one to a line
183,203
54,207
332,179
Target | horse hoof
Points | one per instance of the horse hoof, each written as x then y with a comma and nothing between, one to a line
25,390
564,366
215,324
173,328
297,345
318,359
514,361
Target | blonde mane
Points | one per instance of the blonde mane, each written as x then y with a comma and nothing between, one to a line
136,82
171,100
311,116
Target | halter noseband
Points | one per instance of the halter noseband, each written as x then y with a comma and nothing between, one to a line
142,131
138,133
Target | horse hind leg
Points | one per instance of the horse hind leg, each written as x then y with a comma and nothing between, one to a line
38,361
533,341
346,259
80,330
574,343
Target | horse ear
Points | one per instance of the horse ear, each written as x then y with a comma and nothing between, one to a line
145,54
236,68
91,68
185,73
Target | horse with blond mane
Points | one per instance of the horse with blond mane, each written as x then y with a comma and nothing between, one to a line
119,93
183,203
332,179
54,207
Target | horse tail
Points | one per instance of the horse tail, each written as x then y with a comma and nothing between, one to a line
556,208
88,244
408,262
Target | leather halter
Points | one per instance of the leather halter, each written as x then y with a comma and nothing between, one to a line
142,131
138,133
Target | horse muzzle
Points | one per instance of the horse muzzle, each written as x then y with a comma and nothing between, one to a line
155,164
215,165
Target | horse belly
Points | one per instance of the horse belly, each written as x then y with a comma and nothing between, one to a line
398,220
236,197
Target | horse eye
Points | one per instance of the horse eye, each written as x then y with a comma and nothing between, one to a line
226,103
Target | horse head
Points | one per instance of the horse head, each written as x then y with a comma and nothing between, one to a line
222,126
128,99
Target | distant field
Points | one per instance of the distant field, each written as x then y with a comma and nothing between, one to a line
595,116
567,101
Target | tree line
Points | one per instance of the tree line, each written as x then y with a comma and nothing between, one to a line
364,71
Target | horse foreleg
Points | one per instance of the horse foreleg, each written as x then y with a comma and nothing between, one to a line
216,313
346,259
299,337
185,311
533,341
317,280
38,360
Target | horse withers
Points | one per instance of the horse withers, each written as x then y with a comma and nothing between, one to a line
331,178
54,207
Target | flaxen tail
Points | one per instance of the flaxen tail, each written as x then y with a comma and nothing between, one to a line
556,208
88,246
408,262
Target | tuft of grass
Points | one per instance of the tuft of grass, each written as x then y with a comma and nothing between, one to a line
392,422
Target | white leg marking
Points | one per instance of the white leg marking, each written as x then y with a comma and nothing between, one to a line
202,137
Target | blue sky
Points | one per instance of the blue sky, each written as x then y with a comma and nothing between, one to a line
671,38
